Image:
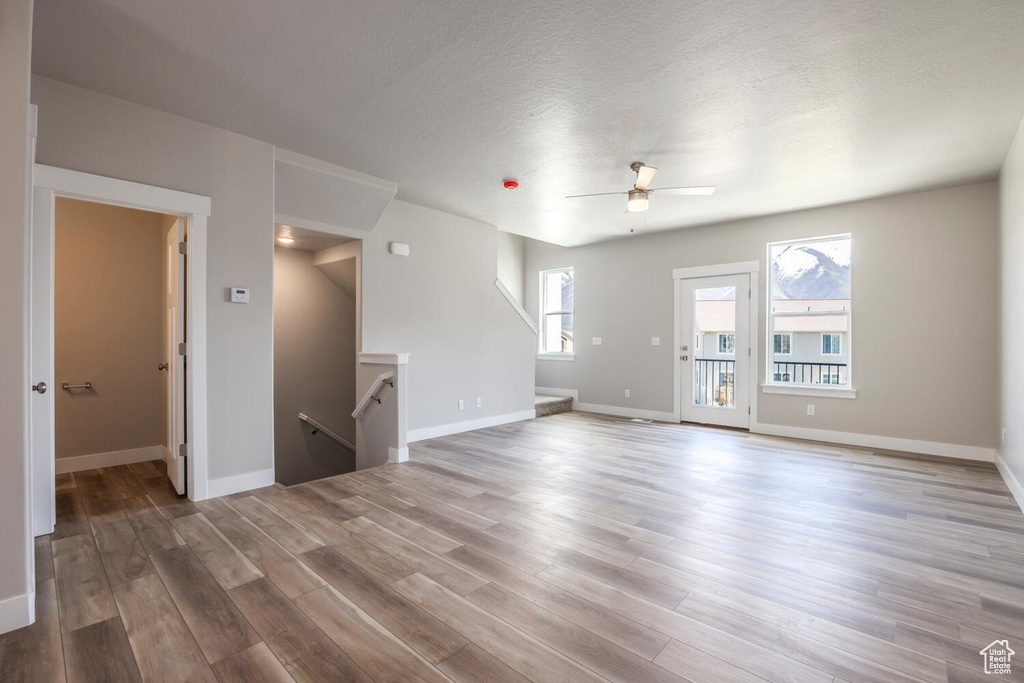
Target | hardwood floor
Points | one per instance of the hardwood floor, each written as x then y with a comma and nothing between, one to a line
573,547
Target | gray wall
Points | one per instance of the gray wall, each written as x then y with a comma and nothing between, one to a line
16,573
440,305
314,369
109,310
1011,194
86,131
925,274
511,261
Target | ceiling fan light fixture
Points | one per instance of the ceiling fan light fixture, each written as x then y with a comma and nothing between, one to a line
637,201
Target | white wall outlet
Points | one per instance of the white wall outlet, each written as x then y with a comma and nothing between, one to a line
627,393
479,401
655,341
462,404
810,409
239,295
597,341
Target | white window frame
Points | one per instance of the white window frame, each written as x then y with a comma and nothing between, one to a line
770,386
718,347
838,341
782,353
542,353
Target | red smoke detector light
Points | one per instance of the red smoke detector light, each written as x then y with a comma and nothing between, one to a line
511,184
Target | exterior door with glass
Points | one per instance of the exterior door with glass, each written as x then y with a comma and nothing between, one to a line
715,352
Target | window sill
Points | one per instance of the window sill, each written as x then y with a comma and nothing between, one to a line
820,391
556,356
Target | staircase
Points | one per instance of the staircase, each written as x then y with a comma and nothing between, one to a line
552,405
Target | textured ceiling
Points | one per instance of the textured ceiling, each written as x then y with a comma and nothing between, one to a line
781,104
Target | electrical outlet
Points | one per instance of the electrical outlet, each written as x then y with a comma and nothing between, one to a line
810,409
479,401
462,404
597,341
627,393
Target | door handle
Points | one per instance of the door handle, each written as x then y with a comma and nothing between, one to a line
684,358
41,387
162,366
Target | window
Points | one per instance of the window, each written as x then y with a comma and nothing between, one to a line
783,343
727,344
556,306
830,345
809,299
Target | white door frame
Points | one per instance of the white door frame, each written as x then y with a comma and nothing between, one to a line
50,182
751,268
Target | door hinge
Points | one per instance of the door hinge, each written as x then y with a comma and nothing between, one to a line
749,352
183,450
182,248
183,349
748,410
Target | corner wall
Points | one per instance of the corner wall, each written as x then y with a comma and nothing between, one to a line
1011,234
925,270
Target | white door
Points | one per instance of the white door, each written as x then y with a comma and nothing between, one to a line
715,351
174,361
41,412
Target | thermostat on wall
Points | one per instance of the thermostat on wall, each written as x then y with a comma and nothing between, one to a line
239,295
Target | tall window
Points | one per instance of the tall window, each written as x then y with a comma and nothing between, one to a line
556,306
810,312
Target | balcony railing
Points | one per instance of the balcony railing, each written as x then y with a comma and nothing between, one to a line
713,382
809,373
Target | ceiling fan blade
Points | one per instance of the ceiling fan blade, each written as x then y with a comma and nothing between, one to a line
708,189
644,176
597,194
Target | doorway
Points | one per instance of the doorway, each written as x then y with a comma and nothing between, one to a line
716,359
316,305
83,409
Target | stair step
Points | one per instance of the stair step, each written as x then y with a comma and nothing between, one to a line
552,405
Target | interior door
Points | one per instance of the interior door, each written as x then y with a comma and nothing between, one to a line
174,364
715,351
41,411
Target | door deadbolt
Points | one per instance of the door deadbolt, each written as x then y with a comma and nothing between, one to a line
41,387
684,358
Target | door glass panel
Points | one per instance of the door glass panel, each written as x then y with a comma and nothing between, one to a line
714,347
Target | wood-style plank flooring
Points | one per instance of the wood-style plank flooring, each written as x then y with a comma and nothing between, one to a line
568,548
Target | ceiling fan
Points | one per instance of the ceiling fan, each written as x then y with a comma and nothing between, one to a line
638,199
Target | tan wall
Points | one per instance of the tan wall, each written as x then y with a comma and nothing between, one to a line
314,369
925,303
108,309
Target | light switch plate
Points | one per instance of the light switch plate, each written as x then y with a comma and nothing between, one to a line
239,295
597,341
655,341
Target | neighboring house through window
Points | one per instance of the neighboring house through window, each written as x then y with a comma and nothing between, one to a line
557,292
810,312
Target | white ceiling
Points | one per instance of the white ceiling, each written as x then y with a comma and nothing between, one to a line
782,104
307,240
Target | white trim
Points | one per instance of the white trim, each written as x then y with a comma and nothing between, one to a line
1011,480
469,425
574,394
618,411
801,390
889,443
516,305
398,454
225,486
17,612
556,356
295,159
195,209
738,268
319,226
384,358
79,463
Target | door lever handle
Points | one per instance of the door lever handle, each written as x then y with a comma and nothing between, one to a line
684,358
162,366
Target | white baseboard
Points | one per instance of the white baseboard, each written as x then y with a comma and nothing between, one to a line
1011,480
398,454
225,486
17,612
552,391
78,463
619,411
469,425
889,443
